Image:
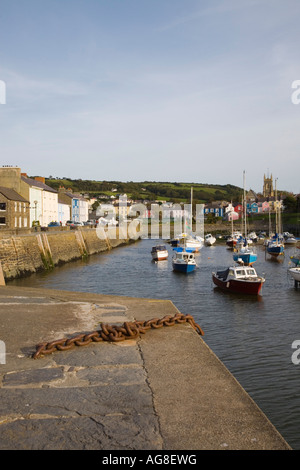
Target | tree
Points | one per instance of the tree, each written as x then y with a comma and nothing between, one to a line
290,203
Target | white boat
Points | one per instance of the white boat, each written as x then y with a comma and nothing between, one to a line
289,239
295,273
159,253
184,262
253,237
209,239
189,242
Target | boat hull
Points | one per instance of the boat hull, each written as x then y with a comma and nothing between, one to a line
275,250
246,258
252,287
160,256
183,268
295,272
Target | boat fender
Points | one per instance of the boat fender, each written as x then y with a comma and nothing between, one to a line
227,284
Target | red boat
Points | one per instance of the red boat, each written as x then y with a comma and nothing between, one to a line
239,280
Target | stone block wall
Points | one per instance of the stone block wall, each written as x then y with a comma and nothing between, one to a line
21,255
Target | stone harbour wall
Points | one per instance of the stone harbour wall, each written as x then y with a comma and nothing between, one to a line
21,255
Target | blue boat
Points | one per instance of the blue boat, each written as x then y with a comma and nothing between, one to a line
184,262
275,246
245,255
295,259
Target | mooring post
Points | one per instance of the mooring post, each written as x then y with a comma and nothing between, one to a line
2,279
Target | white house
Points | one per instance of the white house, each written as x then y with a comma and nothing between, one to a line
64,211
43,200
83,209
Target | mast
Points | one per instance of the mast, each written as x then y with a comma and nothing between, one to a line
191,209
245,206
276,209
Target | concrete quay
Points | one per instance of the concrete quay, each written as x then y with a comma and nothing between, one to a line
165,390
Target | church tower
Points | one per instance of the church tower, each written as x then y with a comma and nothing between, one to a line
268,190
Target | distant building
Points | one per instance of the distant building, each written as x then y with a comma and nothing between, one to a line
64,211
268,190
79,206
43,199
14,210
215,208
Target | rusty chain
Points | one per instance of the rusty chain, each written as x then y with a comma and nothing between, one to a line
129,330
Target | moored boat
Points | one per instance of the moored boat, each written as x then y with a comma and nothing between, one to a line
190,242
275,246
159,252
184,262
233,239
289,239
295,273
295,259
245,255
240,280
209,239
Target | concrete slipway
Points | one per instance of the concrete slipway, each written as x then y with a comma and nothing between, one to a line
165,390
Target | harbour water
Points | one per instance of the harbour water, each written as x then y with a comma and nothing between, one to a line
252,336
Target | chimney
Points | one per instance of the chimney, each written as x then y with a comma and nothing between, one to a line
40,178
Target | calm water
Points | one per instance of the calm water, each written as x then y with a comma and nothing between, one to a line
252,336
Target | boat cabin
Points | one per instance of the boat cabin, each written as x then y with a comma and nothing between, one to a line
159,248
237,272
242,272
184,256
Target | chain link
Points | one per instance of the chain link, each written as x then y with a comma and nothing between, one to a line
114,333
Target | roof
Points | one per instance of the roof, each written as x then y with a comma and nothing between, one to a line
11,194
38,184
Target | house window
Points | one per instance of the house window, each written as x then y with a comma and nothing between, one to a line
2,206
2,221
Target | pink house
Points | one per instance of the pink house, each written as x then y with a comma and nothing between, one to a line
232,215
265,206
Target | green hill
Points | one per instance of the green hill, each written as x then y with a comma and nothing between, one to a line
149,190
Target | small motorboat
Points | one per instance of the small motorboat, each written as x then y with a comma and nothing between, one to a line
159,253
289,239
209,239
295,273
184,261
252,236
245,255
239,280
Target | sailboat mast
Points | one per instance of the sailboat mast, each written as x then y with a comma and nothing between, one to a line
276,209
245,205
191,208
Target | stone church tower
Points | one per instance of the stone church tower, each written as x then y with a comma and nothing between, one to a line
268,190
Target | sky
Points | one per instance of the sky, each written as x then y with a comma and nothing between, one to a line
195,91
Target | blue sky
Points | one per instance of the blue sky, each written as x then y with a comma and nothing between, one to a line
156,90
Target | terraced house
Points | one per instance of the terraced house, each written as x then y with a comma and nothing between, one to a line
14,210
